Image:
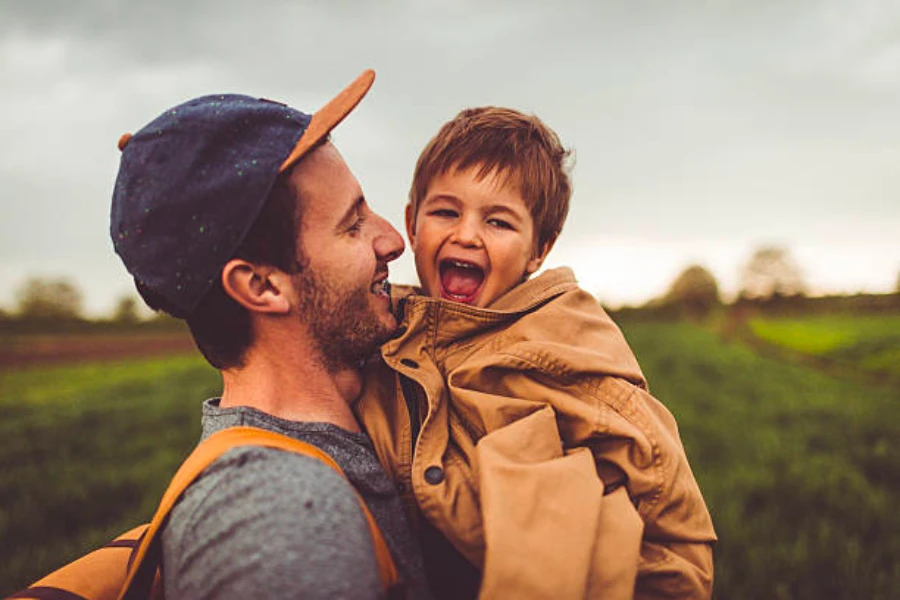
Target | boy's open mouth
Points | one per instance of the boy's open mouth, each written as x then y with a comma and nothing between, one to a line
460,280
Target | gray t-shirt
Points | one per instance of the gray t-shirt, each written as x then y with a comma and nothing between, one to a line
261,522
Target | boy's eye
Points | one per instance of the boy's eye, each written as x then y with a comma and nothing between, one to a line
500,223
443,212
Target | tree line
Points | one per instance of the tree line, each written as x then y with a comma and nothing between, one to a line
771,279
60,299
770,275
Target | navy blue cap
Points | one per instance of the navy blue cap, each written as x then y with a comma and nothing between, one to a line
192,182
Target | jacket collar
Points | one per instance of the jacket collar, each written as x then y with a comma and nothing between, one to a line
450,321
447,324
522,298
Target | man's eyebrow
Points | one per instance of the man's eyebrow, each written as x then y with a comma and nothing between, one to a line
351,214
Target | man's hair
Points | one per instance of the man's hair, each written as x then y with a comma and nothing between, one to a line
220,326
520,148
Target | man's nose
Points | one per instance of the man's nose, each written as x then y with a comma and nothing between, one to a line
388,243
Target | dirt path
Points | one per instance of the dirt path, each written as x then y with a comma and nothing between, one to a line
26,351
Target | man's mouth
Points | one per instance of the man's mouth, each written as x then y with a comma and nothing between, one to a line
381,287
460,280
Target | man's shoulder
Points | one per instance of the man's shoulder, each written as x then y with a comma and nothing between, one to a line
258,512
268,477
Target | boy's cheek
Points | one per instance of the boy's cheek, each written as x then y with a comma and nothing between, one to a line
422,272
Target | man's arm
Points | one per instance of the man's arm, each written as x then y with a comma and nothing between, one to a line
265,523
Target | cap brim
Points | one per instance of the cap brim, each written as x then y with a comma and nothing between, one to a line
328,117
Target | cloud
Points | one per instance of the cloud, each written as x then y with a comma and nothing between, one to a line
733,121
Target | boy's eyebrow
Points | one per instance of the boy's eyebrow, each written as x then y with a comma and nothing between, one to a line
441,196
495,208
499,207
351,213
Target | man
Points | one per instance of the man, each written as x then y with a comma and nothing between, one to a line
240,216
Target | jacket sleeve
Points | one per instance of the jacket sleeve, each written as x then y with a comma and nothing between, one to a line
549,530
603,425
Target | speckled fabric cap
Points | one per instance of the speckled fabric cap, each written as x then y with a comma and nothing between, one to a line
192,182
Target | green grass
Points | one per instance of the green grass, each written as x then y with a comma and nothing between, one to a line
800,470
869,344
87,452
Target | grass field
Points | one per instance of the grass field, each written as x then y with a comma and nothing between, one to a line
87,451
800,469
869,344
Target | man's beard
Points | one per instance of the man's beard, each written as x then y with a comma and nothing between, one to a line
343,325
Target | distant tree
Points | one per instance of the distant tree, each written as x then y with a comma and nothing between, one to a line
49,299
126,311
772,271
897,287
695,291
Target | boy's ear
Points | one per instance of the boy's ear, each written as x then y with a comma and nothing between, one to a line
258,288
537,260
410,224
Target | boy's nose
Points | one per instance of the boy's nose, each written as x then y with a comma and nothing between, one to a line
467,234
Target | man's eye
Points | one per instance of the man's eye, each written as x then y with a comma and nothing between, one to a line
357,224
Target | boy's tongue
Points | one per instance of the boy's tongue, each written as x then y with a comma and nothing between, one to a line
461,281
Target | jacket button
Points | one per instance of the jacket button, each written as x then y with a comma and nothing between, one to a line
434,475
408,362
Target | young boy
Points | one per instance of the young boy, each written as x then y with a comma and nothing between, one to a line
510,411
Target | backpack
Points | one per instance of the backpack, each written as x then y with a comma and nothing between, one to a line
127,568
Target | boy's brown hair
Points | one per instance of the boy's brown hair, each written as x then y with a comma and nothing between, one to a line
523,151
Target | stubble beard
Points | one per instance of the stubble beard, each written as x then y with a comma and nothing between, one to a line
343,324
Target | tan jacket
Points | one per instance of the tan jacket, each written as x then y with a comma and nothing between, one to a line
521,406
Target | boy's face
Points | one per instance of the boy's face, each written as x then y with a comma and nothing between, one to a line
473,239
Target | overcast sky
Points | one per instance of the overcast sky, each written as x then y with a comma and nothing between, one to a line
701,129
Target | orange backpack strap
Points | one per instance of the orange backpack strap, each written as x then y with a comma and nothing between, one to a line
98,574
145,564
128,567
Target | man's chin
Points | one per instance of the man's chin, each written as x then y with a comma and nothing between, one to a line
381,327
381,312
389,324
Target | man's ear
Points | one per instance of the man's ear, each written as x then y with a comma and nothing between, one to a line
258,288
536,261
410,224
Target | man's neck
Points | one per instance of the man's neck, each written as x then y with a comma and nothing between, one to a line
291,387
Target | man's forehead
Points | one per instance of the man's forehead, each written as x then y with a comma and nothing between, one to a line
325,183
320,167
